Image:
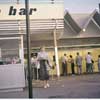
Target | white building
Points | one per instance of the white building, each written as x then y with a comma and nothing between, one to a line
44,18
47,24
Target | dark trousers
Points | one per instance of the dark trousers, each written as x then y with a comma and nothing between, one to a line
72,68
36,73
89,68
64,68
86,68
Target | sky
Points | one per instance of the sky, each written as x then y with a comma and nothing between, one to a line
75,6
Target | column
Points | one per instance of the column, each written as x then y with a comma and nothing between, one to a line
56,53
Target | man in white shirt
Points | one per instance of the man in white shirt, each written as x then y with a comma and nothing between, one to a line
79,63
88,62
64,65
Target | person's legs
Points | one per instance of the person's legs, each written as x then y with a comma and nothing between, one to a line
80,69
46,84
38,73
77,69
66,69
34,73
72,66
92,67
63,69
99,67
89,67
73,70
86,68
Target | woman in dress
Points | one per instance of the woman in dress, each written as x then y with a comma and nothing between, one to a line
44,66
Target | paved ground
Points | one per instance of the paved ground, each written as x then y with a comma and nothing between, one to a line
84,86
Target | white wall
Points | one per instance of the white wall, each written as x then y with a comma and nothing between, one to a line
44,11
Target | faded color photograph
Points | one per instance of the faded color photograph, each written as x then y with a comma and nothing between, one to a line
50,49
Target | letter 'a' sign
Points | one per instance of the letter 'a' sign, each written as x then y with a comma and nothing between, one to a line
36,11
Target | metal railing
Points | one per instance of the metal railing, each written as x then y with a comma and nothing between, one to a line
36,26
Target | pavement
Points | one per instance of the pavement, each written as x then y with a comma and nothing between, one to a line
83,86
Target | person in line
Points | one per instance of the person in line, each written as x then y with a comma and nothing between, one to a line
71,60
44,66
88,62
35,66
99,63
79,63
64,65
92,68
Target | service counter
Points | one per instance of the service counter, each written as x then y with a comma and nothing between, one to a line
12,77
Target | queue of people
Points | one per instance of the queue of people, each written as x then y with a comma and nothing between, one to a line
41,65
77,62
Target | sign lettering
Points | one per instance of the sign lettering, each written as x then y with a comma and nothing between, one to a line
22,11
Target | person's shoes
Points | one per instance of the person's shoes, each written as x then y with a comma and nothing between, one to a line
73,74
45,86
48,85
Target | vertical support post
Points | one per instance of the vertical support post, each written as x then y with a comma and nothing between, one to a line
21,46
22,51
99,7
56,51
21,56
28,49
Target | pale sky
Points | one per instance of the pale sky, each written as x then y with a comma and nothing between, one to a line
81,5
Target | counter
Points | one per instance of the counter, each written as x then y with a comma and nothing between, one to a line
12,77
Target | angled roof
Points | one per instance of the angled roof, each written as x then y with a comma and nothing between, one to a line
71,22
84,24
80,18
95,17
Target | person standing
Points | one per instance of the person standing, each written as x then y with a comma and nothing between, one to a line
64,65
92,68
99,63
88,62
72,64
35,66
44,66
79,63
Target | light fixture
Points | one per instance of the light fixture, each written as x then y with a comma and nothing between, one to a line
84,29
